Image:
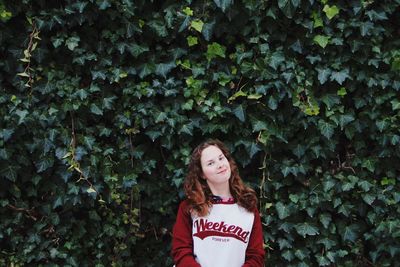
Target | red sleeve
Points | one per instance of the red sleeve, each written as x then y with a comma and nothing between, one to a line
255,250
182,242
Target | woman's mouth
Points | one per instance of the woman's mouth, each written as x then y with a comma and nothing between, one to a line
223,171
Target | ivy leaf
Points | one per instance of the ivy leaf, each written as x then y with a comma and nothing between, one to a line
240,113
331,11
348,234
276,59
95,109
321,40
306,229
369,164
345,119
330,100
366,27
236,95
368,198
187,11
223,4
288,7
72,42
208,30
282,210
137,50
197,25
22,115
259,126
192,40
214,50
340,76
318,22
44,164
323,74
326,129
163,69
10,173
342,92
395,104
104,4
325,219
146,69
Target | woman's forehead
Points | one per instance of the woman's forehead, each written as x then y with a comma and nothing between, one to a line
210,153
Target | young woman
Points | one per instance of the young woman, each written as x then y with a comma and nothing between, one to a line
218,225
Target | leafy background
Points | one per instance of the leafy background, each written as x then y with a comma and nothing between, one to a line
103,100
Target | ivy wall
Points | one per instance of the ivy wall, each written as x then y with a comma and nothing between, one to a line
102,102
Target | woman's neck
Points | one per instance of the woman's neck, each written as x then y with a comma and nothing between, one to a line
221,191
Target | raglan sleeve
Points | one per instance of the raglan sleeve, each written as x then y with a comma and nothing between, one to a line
182,242
255,253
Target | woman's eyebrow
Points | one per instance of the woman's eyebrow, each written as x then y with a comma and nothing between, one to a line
221,155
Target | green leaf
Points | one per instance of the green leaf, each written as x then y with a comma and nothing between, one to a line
340,76
197,25
321,40
368,198
22,115
325,219
44,164
323,74
342,92
369,164
215,50
348,234
72,42
137,50
326,129
223,4
240,113
288,7
259,125
104,4
91,190
395,104
163,69
318,22
365,185
282,210
345,119
95,109
187,11
330,100
236,95
276,59
192,40
305,229
331,11
10,173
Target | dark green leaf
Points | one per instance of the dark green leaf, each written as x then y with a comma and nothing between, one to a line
240,113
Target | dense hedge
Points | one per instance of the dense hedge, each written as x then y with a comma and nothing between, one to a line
102,102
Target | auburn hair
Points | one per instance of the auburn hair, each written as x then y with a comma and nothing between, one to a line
198,192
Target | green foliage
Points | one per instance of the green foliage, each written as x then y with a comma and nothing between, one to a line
103,101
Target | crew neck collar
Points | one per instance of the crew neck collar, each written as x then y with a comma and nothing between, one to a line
222,200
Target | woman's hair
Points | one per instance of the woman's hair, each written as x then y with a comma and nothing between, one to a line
198,191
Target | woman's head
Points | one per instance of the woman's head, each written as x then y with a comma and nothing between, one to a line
212,165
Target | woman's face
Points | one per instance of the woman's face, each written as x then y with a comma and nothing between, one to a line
215,166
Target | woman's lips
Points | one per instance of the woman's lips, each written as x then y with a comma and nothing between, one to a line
223,171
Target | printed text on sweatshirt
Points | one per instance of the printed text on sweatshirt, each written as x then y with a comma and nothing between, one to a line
229,236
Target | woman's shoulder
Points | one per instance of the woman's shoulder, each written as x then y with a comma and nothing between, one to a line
185,206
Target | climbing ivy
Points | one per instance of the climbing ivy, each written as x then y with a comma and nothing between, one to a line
103,101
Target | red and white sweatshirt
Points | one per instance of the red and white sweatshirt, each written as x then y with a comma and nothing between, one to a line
229,236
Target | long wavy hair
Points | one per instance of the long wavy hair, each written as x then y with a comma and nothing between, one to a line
198,192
